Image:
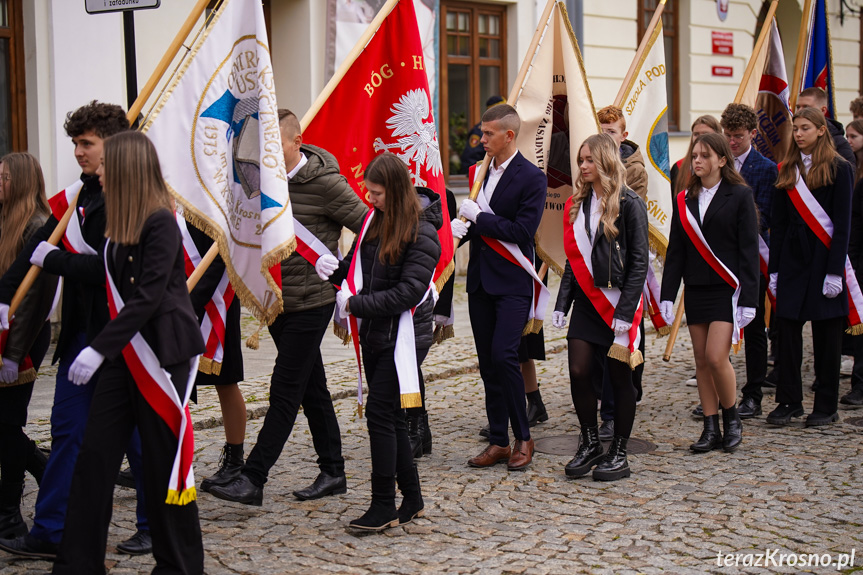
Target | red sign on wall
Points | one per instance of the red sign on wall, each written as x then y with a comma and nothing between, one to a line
723,43
726,71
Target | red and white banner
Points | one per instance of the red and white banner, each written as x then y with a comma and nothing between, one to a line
772,104
159,392
651,295
578,249
73,240
822,226
693,230
763,261
383,94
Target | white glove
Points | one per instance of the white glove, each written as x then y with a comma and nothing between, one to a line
666,310
459,228
774,280
9,371
469,210
326,265
342,298
558,319
440,320
745,315
4,316
85,365
42,250
620,327
832,285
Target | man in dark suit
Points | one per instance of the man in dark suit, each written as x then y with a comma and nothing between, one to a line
740,124
499,291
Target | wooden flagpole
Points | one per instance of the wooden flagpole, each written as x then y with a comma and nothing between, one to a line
627,80
675,327
750,67
136,108
802,42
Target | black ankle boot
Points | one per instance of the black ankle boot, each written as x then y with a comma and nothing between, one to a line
413,423
614,465
35,462
732,426
425,433
382,513
412,498
711,437
536,411
11,523
589,453
230,466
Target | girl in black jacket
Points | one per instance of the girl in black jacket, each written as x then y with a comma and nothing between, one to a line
397,252
605,237
719,204
149,350
807,276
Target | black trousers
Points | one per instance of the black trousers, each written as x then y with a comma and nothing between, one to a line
14,443
497,323
298,379
388,433
857,371
755,338
116,409
827,352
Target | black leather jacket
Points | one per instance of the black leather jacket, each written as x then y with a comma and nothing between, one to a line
619,263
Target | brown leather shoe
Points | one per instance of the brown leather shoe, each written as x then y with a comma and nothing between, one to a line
522,455
491,455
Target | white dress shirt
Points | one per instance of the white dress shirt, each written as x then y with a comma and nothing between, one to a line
741,159
595,214
807,161
303,161
494,176
704,199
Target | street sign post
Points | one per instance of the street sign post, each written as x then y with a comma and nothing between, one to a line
101,6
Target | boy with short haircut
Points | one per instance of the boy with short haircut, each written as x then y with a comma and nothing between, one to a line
614,124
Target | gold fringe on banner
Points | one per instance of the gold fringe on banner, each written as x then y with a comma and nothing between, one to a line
663,331
254,340
444,276
411,400
342,333
26,376
622,354
658,242
210,367
552,265
187,496
442,333
533,326
855,329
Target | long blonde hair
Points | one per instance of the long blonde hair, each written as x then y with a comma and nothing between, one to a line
612,177
26,197
823,156
133,185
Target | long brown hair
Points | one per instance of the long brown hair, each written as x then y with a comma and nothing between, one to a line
720,147
612,177
857,126
133,185
824,155
397,225
685,170
25,198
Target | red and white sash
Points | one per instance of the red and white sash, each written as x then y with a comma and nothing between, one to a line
155,385
578,248
693,230
73,239
216,310
308,245
764,260
822,226
405,350
651,295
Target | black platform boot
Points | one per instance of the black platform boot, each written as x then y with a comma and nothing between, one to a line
711,437
382,513
230,467
732,426
412,498
614,465
11,523
414,434
589,453
536,412
425,434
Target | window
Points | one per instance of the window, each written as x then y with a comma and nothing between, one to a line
670,29
472,69
13,104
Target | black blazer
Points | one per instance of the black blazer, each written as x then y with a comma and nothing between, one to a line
801,259
151,278
730,226
518,202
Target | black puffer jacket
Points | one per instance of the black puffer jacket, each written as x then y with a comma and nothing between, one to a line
619,264
388,290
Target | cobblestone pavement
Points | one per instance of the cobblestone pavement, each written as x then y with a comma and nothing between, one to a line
791,489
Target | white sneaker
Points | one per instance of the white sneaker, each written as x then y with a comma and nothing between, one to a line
847,365
692,382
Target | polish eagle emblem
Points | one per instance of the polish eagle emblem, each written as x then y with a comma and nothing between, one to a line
416,137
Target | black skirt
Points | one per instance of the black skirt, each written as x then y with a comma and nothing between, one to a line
585,323
705,304
532,346
232,362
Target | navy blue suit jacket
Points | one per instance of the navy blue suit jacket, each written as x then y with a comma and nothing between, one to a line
761,175
518,202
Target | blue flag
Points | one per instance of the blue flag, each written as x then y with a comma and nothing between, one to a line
819,59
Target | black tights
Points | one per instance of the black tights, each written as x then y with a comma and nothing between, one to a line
584,357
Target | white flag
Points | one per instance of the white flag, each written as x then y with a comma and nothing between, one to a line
217,134
645,107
